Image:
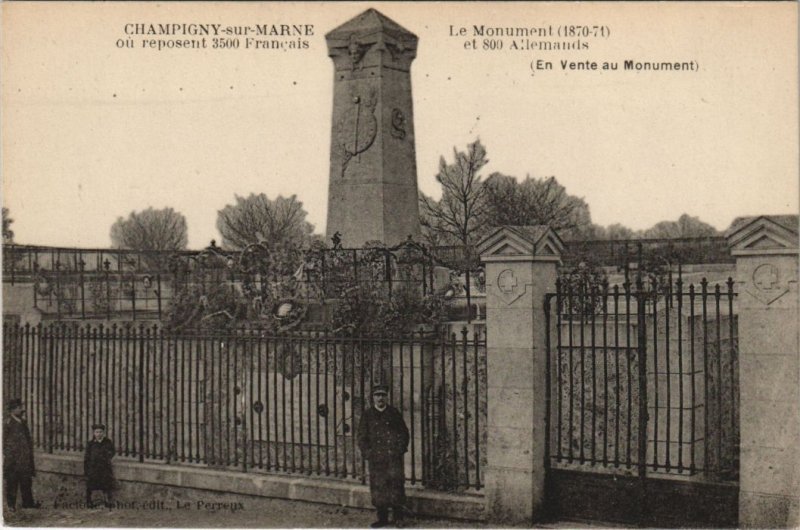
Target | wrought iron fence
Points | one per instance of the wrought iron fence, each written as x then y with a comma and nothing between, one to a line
643,377
623,253
251,401
101,283
141,285
21,263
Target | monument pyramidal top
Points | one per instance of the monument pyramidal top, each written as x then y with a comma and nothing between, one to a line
368,22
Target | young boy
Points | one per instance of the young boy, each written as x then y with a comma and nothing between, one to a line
97,465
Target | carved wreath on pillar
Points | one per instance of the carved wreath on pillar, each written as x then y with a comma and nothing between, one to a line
358,126
508,286
767,284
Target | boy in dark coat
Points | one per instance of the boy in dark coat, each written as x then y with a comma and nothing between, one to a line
18,468
383,440
97,465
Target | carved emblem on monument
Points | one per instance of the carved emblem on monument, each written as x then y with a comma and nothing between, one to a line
398,124
767,285
507,286
357,50
358,127
400,53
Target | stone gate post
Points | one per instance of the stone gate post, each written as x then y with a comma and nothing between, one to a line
766,252
520,269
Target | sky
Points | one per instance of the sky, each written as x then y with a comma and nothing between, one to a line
92,131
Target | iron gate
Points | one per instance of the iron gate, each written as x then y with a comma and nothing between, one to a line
643,401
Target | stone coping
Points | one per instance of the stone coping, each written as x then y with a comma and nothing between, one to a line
466,506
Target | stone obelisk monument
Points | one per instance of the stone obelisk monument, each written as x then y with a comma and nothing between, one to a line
372,189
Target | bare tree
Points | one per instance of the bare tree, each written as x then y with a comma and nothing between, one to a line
536,201
433,233
150,229
257,218
8,234
460,214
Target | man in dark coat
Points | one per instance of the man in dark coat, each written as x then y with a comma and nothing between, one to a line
383,440
18,468
97,465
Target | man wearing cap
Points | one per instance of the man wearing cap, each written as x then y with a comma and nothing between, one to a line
97,465
383,440
18,468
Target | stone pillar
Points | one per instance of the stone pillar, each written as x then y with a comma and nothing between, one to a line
520,269
766,251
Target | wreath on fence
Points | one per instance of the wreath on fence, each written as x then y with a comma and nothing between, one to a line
42,284
583,290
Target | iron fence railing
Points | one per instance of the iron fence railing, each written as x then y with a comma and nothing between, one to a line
141,285
21,262
251,401
664,252
643,377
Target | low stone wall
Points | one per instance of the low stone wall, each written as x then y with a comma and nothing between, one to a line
61,477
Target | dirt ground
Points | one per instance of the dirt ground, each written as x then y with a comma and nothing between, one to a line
154,506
